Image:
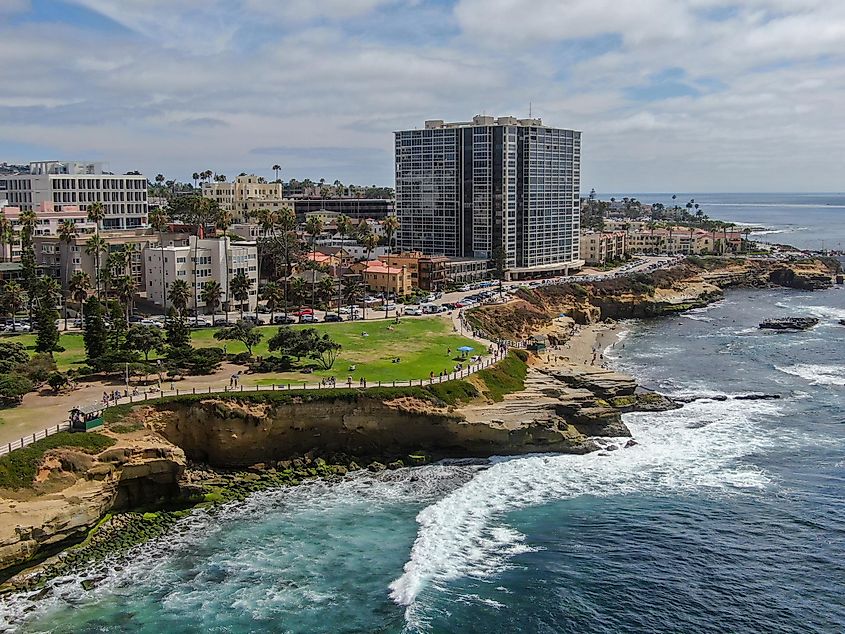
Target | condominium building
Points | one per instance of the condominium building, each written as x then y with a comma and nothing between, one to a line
78,185
377,208
599,247
211,258
491,188
245,195
62,260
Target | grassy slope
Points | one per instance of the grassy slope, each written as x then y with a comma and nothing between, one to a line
18,468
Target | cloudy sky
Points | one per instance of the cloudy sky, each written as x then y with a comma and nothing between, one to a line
672,95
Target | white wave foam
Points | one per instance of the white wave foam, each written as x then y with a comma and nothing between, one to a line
816,374
699,447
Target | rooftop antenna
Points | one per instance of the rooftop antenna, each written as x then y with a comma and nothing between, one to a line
530,106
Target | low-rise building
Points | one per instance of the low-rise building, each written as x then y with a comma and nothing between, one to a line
378,277
466,270
210,258
601,247
376,208
245,195
47,223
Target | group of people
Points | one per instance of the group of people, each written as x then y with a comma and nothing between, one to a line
328,382
116,395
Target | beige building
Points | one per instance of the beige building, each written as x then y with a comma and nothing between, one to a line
380,278
600,247
210,258
65,259
245,195
47,223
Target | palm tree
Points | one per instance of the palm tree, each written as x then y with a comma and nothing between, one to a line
314,227
78,286
211,293
241,286
124,289
286,239
391,224
369,241
159,221
273,294
95,246
276,169
344,227
159,179
180,295
67,234
14,298
196,177
223,222
96,213
7,237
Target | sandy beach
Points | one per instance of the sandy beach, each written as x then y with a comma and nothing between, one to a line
586,345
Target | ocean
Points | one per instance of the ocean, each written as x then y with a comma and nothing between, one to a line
805,221
727,516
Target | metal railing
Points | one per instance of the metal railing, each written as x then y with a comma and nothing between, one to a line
362,383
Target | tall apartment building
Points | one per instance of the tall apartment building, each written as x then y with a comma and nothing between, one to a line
245,195
68,183
488,186
210,258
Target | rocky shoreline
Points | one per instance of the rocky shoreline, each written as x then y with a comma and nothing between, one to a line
204,452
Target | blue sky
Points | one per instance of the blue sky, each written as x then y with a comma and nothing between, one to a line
686,95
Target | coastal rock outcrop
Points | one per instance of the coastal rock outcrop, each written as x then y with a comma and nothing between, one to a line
73,491
790,323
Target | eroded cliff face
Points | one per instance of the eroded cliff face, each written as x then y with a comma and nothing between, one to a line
228,433
691,284
73,490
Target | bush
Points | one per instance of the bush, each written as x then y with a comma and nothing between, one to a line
242,358
18,468
12,388
271,364
57,381
12,354
39,368
454,392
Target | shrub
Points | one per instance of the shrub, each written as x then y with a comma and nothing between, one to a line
18,468
57,381
194,361
39,368
271,364
454,392
12,354
507,376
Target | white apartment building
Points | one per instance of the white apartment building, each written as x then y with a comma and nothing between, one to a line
75,184
213,258
245,195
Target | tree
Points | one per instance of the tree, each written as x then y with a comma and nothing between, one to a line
67,234
326,291
7,237
273,294
199,212
241,286
29,267
276,169
314,227
369,241
159,221
12,355
145,339
96,213
289,342
223,222
178,334
14,298
78,287
180,294
322,348
344,228
210,295
124,290
96,245
241,331
95,334
196,177
13,387
47,294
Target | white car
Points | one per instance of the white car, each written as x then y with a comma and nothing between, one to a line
413,311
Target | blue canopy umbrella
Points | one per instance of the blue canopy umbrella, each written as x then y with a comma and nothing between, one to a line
465,349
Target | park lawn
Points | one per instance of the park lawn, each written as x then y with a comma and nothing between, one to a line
72,356
421,343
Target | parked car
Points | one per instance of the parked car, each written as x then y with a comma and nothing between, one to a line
413,310
255,321
303,311
284,319
332,317
201,322
221,321
308,319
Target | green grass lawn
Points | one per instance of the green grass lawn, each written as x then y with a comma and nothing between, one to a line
421,343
